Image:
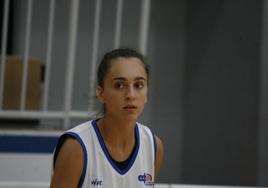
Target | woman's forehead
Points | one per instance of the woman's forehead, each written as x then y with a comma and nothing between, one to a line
127,67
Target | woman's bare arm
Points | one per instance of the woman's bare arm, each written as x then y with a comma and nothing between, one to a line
159,155
68,166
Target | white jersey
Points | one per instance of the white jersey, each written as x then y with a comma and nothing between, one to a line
99,170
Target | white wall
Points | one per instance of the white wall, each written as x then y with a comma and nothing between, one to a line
26,156
25,167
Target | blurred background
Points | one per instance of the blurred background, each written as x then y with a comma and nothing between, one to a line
208,87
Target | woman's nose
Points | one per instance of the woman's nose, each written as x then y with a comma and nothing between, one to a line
130,95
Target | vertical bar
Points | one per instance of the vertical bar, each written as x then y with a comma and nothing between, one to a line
3,51
71,60
94,51
118,23
49,52
26,56
144,25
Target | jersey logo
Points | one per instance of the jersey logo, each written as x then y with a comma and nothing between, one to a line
146,179
96,182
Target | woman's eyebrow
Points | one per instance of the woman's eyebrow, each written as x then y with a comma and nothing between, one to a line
125,79
119,78
140,78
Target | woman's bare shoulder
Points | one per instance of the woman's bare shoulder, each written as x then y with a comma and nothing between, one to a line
68,165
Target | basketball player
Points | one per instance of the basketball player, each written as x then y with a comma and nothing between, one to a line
113,151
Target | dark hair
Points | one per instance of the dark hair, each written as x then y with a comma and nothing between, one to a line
114,54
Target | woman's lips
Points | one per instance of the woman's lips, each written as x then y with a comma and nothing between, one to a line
130,108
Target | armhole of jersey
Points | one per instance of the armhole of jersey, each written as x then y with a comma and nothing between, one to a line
155,148
59,145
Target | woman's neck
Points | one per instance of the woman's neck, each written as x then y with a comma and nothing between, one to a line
117,132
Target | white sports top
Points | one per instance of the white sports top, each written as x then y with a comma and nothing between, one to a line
99,170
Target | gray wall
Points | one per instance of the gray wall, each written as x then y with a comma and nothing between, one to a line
263,128
221,92
166,53
204,98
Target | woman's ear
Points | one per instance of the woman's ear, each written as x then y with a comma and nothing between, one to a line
99,93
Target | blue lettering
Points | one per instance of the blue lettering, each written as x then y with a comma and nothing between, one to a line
96,182
146,179
142,178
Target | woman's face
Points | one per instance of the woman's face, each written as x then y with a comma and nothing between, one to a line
124,91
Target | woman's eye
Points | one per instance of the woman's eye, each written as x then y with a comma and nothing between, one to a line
139,85
119,85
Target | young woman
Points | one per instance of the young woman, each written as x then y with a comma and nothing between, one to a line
113,151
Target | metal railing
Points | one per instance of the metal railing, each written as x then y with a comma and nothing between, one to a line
67,113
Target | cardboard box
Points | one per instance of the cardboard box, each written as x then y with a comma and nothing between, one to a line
13,84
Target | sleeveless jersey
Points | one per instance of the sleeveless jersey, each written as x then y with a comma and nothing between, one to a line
99,170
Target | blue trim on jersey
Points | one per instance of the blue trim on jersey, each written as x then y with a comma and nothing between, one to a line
155,148
77,137
106,152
